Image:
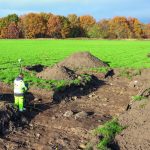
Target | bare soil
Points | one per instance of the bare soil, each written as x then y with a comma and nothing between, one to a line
49,129
136,119
63,120
136,135
57,73
82,60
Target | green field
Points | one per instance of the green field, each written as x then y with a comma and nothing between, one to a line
119,54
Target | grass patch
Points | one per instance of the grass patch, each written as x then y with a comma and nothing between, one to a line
137,98
108,132
8,76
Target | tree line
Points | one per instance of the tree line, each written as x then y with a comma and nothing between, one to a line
47,25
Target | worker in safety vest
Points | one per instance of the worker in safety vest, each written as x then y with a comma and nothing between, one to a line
19,90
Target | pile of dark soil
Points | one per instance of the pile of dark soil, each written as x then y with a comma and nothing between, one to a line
82,60
137,123
64,69
6,113
57,73
10,118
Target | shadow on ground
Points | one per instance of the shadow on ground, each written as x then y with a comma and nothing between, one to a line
77,90
11,118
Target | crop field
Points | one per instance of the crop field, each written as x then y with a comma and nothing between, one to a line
118,54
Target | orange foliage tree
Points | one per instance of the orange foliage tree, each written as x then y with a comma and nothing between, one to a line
86,22
13,31
136,28
74,25
54,27
119,28
34,26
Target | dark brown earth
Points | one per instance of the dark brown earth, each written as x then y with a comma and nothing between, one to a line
53,125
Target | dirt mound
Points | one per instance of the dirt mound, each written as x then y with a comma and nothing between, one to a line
10,119
137,121
82,60
57,73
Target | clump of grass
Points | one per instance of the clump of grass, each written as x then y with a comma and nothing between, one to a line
137,97
148,55
108,132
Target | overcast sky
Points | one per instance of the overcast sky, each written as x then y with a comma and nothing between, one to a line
98,8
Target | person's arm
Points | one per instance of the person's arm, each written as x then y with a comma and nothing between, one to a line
24,86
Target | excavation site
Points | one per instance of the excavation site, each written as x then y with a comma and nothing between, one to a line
88,94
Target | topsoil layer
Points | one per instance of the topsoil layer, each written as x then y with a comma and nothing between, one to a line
82,60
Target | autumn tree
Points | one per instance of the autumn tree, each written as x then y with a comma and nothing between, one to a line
94,31
46,16
54,27
13,31
136,28
34,26
74,25
146,31
4,32
5,22
104,27
86,22
65,27
119,28
44,25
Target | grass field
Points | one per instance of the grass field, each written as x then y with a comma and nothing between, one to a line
119,54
